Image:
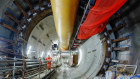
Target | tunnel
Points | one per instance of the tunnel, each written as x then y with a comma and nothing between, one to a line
86,39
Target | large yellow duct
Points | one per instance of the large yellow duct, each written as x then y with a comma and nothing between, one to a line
64,12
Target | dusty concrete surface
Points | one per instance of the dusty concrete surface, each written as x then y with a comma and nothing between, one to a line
135,59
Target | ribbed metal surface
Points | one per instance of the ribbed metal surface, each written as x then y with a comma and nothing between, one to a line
64,12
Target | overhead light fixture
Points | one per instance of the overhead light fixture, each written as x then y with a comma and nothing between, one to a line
29,50
80,56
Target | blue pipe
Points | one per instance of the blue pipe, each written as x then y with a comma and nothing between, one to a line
11,12
115,75
138,76
4,37
1,20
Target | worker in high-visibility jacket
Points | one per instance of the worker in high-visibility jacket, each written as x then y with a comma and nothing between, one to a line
49,59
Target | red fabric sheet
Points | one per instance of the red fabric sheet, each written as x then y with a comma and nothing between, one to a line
98,17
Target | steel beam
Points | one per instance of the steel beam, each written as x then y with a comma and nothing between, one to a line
10,28
3,21
4,46
21,9
120,39
117,28
30,6
120,49
12,17
7,40
5,50
40,3
8,9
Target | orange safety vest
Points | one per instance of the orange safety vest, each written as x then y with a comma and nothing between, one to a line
49,59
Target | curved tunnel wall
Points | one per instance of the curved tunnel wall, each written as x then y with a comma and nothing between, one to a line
42,37
91,58
129,13
93,53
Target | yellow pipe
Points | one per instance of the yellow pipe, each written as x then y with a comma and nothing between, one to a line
64,12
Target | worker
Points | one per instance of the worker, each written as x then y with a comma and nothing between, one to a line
49,59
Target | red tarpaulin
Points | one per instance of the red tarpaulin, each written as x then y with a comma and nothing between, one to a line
98,17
